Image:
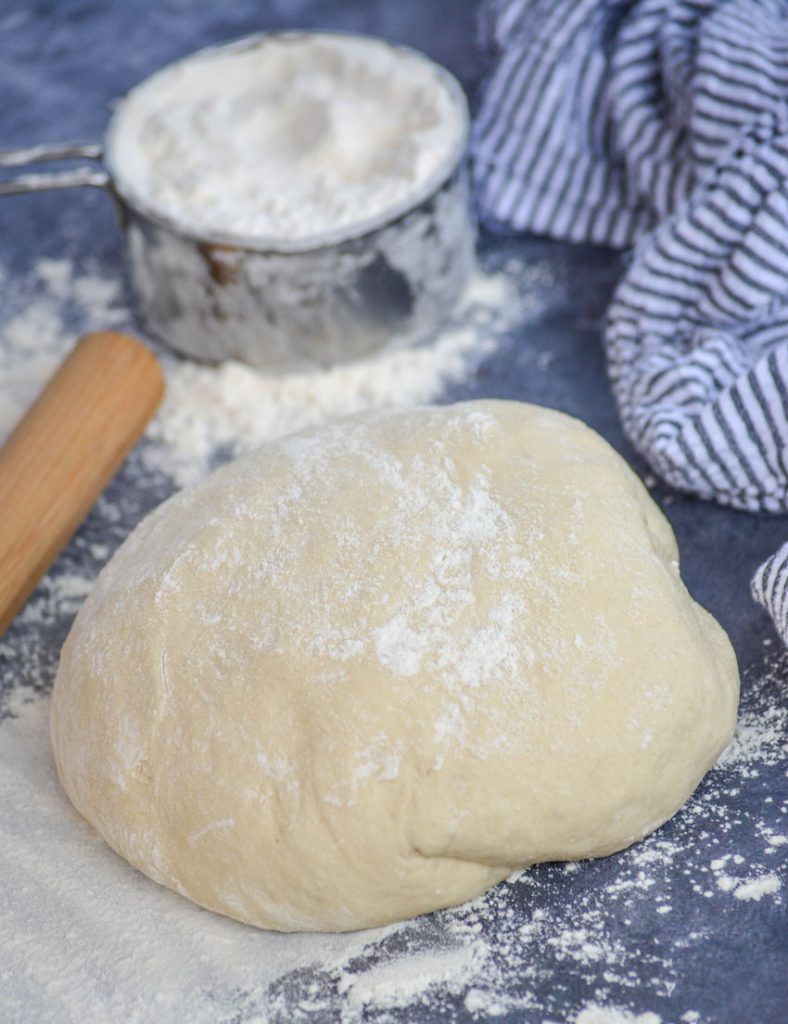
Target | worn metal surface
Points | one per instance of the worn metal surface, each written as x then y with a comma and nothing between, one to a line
279,304
295,310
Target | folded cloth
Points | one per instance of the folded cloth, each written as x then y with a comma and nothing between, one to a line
663,124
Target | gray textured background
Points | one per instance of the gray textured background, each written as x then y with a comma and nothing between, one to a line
61,64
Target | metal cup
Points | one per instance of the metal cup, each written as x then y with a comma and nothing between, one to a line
281,305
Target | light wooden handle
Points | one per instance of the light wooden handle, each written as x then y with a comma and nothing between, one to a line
65,450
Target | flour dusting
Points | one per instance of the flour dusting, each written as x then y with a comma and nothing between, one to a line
286,137
212,413
42,318
612,1015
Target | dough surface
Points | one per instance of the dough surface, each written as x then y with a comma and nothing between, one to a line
368,670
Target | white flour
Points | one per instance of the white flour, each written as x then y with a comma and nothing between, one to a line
612,1015
213,413
234,408
42,320
290,138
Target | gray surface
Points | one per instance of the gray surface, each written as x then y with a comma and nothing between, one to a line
60,64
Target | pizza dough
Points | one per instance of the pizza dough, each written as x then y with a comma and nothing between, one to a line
370,669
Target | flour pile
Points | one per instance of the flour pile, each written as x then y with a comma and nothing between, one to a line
286,138
212,413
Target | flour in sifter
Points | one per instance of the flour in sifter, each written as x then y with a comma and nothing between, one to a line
286,137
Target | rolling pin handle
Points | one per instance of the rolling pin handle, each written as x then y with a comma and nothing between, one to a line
65,450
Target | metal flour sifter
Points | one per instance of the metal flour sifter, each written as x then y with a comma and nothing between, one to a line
275,303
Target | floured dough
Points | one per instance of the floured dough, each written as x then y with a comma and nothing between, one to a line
370,669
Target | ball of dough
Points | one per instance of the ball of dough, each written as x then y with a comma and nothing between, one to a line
369,670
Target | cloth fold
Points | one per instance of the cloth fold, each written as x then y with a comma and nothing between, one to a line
663,125
770,588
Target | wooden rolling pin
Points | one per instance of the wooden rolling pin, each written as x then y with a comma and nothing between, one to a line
64,452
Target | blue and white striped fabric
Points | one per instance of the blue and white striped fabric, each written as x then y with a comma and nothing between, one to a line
770,588
663,125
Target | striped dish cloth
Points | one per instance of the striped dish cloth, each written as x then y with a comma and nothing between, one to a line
663,125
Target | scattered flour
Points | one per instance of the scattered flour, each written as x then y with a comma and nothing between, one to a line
610,1015
43,317
763,739
234,408
399,981
757,888
748,889
212,413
